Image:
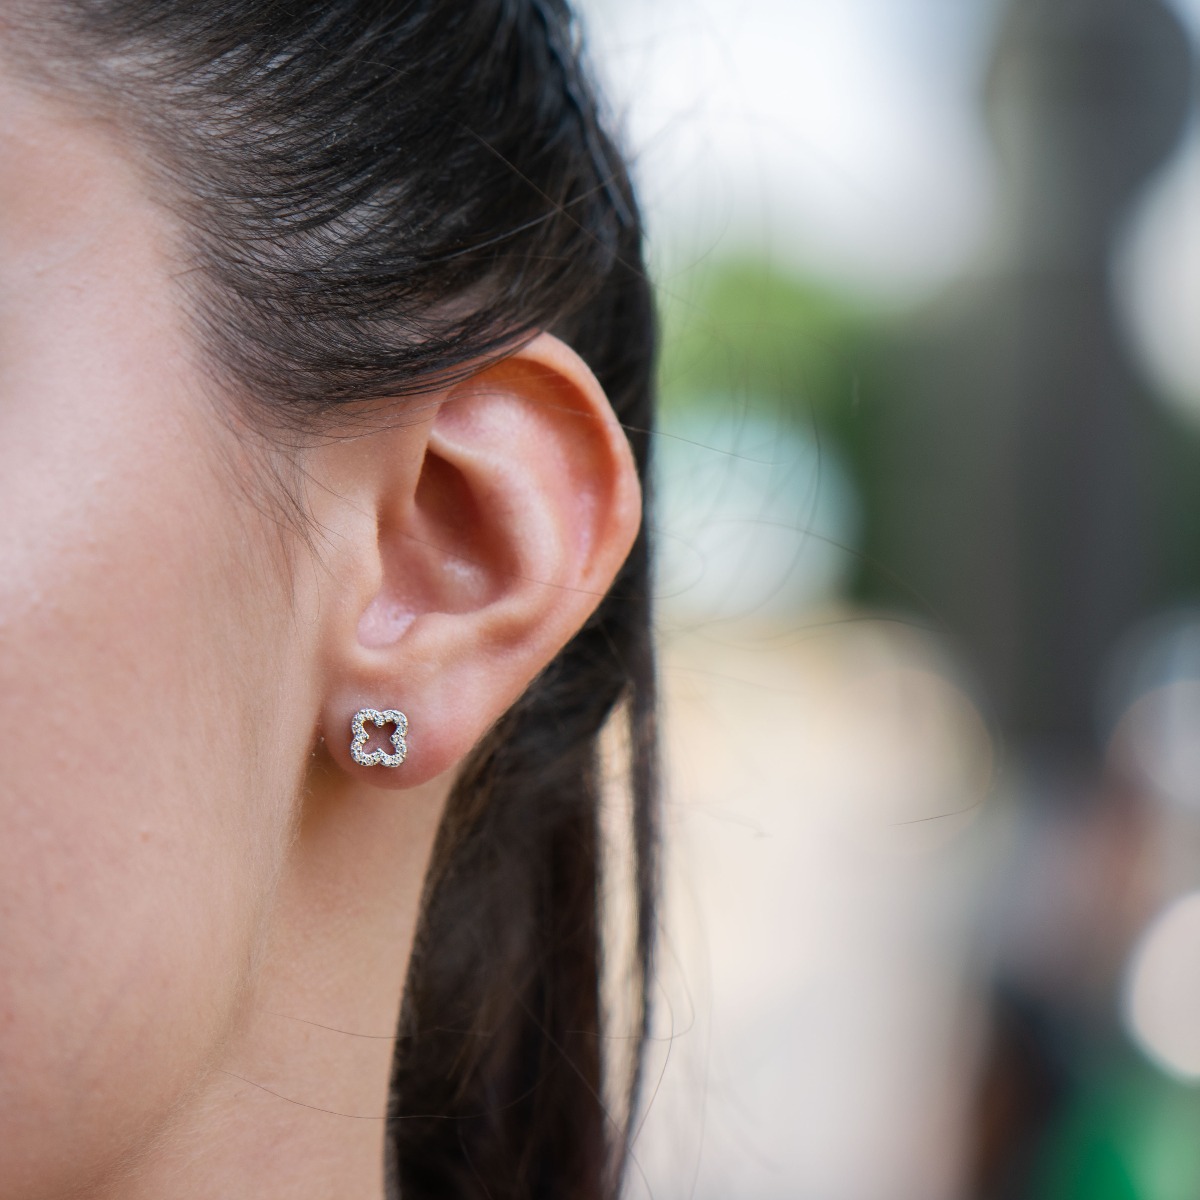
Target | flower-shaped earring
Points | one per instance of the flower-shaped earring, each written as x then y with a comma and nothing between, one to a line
378,758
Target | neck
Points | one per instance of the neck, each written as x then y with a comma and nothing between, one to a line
294,1103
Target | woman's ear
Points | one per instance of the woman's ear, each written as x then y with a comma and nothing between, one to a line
466,547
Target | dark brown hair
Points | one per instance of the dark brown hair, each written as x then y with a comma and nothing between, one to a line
377,194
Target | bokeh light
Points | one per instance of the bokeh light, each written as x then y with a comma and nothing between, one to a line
1162,989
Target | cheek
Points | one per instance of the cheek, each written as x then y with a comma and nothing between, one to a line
142,815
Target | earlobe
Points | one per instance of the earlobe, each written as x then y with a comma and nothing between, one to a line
487,545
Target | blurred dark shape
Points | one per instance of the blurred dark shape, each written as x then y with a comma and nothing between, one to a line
1023,1086
1085,99
1026,491
1074,895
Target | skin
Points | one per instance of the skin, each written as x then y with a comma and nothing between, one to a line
198,887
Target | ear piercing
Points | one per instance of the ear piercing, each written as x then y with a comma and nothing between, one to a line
378,758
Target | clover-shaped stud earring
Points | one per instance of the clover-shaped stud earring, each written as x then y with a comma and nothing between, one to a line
378,758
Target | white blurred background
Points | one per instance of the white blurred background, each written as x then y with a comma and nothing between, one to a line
929,527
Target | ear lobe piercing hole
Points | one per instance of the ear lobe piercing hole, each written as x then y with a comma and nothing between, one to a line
360,735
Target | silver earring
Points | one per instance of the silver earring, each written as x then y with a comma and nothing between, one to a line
379,758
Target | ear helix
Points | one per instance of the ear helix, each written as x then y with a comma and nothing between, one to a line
359,736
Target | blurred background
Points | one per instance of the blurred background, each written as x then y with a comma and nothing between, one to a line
929,519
